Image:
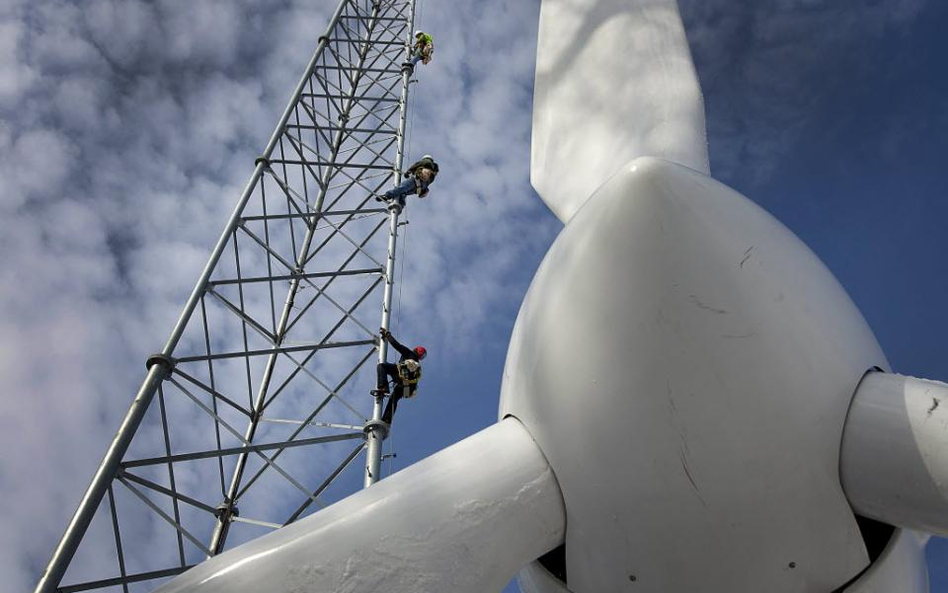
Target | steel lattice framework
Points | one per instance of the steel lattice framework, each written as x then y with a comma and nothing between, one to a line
256,406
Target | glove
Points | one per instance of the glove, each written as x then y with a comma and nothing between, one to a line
384,333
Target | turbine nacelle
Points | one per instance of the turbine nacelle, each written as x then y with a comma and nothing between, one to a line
686,365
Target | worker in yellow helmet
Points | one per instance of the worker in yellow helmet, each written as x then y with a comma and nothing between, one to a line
422,50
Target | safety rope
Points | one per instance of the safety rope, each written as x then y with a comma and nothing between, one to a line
390,442
404,256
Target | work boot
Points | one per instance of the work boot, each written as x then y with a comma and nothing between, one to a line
379,392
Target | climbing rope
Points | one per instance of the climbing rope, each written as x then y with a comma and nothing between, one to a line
390,442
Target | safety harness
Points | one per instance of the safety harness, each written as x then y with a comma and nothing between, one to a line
409,373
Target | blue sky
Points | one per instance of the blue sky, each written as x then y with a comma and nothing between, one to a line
127,129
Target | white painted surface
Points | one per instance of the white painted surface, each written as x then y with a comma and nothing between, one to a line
894,463
614,81
685,363
900,569
536,579
464,520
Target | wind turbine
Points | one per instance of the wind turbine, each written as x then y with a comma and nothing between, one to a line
728,424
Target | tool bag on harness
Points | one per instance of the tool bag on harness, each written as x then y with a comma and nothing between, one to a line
409,373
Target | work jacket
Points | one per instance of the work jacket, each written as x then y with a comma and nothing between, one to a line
425,163
425,41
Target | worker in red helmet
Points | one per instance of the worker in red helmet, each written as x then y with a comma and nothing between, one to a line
405,374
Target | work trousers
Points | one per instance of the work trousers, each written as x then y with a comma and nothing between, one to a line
408,186
417,55
386,370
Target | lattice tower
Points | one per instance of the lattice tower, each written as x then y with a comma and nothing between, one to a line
255,411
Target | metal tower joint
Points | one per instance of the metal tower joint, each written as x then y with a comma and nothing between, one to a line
227,510
376,428
262,159
167,364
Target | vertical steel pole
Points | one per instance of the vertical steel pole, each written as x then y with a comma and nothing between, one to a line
375,429
160,366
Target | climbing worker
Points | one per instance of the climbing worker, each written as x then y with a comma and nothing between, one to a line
417,179
422,50
405,373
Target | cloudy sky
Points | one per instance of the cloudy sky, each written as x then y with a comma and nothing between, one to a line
128,128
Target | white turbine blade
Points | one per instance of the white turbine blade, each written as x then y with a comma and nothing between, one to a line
894,460
463,520
614,81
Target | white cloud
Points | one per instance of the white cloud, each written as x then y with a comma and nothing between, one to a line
38,162
203,32
16,77
78,104
125,32
62,46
